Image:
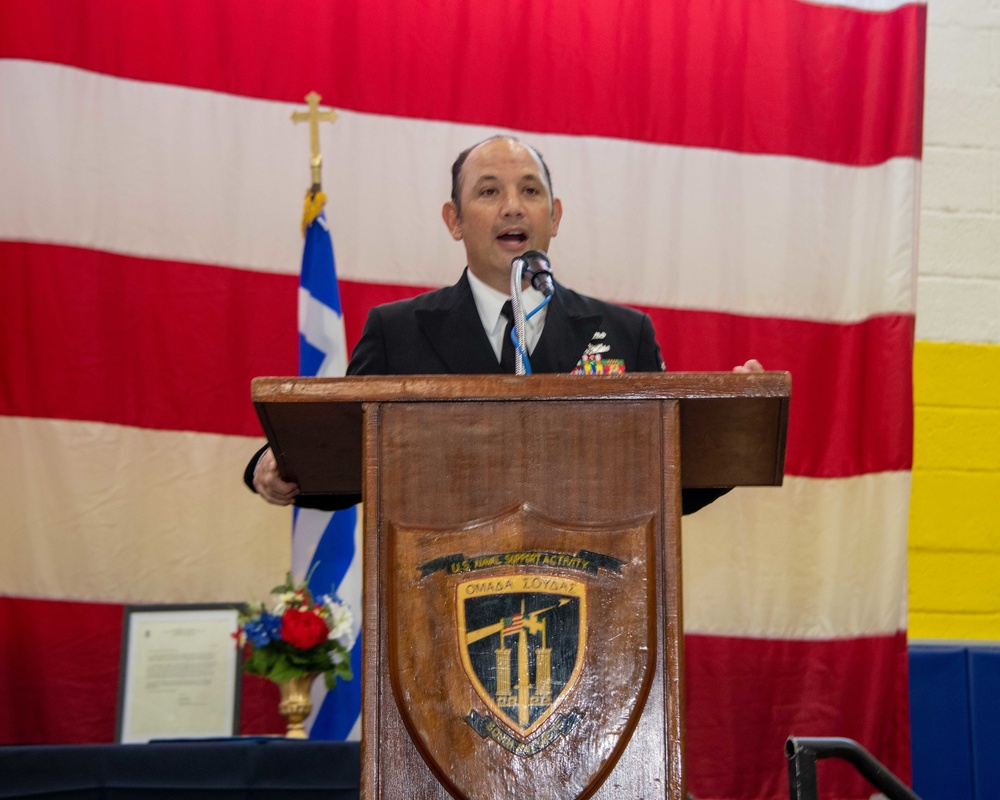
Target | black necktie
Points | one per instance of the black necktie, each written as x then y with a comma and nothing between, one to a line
507,350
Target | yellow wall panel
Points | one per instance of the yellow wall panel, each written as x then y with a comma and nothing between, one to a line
937,625
956,438
948,582
954,374
954,545
953,510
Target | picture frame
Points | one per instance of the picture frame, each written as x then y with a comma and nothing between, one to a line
181,673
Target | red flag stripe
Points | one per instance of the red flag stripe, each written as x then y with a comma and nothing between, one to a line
852,385
41,698
36,700
89,335
104,326
716,75
516,623
740,710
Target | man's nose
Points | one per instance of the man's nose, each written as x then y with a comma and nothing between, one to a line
513,203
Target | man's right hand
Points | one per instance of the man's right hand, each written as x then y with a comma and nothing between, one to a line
269,484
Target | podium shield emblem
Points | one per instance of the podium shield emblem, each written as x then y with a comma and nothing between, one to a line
522,642
521,645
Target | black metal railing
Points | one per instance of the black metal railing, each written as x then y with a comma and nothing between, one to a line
803,753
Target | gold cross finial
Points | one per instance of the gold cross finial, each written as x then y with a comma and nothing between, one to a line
314,117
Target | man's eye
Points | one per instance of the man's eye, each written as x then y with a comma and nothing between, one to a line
530,190
487,191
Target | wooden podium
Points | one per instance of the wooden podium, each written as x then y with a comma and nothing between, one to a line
522,566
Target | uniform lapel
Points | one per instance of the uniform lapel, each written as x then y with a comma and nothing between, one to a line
455,332
567,332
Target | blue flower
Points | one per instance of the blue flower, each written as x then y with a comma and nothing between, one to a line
260,632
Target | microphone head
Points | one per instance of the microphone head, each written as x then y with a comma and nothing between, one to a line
538,269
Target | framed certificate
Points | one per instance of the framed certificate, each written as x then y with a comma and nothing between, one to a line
180,673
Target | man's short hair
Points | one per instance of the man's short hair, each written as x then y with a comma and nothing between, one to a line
456,168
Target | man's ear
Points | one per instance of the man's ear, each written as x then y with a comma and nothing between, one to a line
556,215
452,220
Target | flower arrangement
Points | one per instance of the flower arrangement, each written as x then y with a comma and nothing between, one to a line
297,636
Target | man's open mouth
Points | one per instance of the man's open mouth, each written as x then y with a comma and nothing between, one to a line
516,237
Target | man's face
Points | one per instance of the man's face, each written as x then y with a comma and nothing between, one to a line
506,209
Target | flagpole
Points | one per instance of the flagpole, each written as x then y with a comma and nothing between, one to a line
325,544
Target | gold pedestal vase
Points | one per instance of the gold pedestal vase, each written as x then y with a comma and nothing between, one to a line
296,704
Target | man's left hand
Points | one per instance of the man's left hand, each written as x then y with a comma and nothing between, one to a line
753,365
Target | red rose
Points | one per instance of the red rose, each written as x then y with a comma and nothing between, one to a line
303,629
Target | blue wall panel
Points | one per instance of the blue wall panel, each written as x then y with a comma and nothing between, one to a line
940,727
984,686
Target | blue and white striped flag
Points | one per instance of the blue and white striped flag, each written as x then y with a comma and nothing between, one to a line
327,543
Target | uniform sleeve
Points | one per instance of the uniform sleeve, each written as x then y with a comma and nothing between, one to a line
251,467
649,358
369,356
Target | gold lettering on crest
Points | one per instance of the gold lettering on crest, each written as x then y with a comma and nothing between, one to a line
494,586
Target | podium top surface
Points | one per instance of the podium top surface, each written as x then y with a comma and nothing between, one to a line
635,386
732,425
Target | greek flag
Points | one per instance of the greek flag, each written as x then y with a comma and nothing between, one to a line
327,544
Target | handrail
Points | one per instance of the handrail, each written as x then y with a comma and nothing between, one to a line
803,752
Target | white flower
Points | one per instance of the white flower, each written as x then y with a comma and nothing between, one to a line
284,600
341,623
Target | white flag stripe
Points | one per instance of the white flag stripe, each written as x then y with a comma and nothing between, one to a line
117,514
140,178
323,328
799,562
308,530
349,590
867,5
788,549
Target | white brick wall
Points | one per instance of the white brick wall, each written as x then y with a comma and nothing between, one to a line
958,297
970,13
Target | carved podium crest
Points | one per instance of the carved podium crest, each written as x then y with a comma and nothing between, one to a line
522,650
522,640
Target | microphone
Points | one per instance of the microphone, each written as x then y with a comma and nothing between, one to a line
537,268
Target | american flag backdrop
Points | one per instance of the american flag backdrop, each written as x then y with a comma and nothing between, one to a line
745,171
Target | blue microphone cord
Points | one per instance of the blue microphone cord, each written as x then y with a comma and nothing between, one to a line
513,334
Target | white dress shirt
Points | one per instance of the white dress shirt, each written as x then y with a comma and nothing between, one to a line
489,303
